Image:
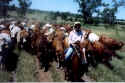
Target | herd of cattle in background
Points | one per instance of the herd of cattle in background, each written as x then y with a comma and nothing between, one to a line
49,43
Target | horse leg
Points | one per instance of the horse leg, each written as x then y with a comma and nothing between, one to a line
57,60
75,67
46,64
61,62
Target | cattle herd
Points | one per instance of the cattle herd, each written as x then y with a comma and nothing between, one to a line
49,43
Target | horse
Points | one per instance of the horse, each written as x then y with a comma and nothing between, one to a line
58,45
100,50
74,68
75,62
111,43
42,48
22,38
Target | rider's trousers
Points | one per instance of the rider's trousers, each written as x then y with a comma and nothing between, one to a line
68,53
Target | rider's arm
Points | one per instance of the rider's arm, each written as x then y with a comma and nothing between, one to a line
70,37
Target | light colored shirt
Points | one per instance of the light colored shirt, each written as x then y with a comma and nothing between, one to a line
76,36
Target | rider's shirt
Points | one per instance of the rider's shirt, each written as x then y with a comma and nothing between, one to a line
76,36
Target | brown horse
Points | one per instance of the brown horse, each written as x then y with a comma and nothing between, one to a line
111,43
75,66
74,63
42,48
102,50
22,38
68,28
57,43
95,49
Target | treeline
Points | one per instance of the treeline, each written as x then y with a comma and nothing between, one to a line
95,11
66,16
91,11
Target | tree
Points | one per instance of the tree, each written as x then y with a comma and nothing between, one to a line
87,8
4,6
24,5
108,14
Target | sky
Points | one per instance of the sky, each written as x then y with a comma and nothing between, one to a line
65,6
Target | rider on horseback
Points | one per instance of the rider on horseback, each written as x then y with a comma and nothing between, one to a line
75,37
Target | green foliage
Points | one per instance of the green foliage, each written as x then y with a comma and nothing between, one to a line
4,6
87,8
90,7
24,5
108,14
53,17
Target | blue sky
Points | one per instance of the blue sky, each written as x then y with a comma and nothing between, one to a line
65,6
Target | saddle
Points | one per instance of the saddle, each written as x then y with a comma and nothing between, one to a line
76,49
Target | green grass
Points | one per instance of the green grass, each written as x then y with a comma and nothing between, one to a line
26,68
4,76
56,76
104,74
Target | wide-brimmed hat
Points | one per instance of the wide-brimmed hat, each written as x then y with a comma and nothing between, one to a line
76,23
